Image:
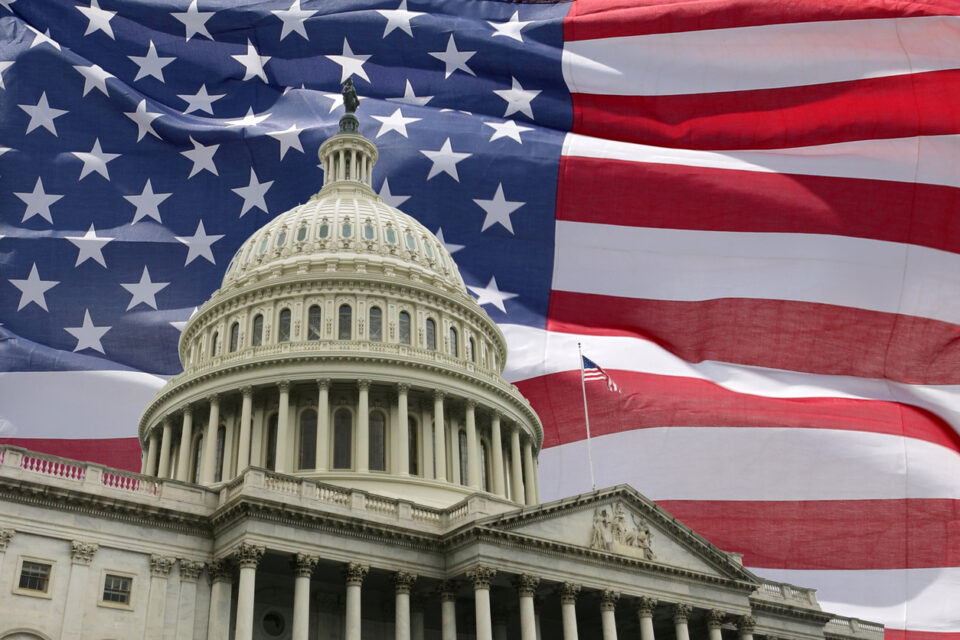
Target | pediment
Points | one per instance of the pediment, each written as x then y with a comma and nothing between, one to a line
621,522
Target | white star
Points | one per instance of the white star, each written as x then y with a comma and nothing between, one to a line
147,203
88,336
195,22
151,64
452,59
94,77
337,100
253,194
90,247
394,122
198,245
4,65
391,199
201,101
249,120
38,202
399,18
293,19
445,160
144,120
99,19
491,294
449,246
511,28
42,114
202,158
498,210
349,62
517,99
507,129
6,4
43,38
144,291
33,288
95,160
180,324
409,97
288,138
252,62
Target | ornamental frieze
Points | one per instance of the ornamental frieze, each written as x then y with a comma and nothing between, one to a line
615,532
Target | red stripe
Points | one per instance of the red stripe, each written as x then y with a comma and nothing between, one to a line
664,196
907,634
829,534
898,106
777,334
651,400
120,453
590,19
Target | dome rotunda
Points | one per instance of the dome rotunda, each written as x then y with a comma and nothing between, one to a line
334,321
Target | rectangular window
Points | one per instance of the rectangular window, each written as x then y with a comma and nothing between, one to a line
116,589
35,576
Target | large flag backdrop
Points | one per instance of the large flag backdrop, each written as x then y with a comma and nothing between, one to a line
746,211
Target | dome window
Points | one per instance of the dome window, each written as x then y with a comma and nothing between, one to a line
271,462
428,249
346,230
213,344
413,446
263,245
234,336
378,441
473,350
376,324
404,327
411,243
308,440
324,231
391,236
342,439
344,331
453,342
283,327
314,325
431,334
282,237
301,234
257,330
368,232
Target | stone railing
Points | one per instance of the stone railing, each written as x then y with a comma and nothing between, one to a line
853,628
787,593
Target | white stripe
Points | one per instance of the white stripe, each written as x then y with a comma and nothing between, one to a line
761,57
914,599
79,404
923,159
728,463
693,265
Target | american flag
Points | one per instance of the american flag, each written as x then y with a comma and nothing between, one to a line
747,210
592,372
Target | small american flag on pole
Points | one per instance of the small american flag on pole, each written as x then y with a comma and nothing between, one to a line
594,372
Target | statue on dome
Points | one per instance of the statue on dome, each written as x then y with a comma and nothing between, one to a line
350,99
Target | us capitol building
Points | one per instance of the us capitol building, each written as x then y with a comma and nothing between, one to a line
342,460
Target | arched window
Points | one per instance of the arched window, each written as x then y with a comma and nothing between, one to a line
314,326
473,350
484,469
342,439
257,339
308,439
221,441
403,325
431,334
376,324
413,446
462,443
271,462
344,331
213,344
197,457
283,327
454,351
234,336
378,441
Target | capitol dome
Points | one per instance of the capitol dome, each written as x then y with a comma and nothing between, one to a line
334,321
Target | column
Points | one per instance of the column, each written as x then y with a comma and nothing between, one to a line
190,571
78,588
645,607
303,566
363,427
150,468
218,623
529,473
163,469
439,438
186,445
248,557
496,452
681,612
402,583
426,439
568,609
526,587
355,574
210,442
608,613
536,481
283,424
448,610
473,448
455,454
715,619
323,423
746,625
157,600
403,426
226,463
481,577
516,471
246,420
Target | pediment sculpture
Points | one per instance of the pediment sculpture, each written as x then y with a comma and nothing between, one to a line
613,531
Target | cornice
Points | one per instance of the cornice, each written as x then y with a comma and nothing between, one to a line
784,610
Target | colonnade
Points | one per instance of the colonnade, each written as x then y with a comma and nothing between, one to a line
499,454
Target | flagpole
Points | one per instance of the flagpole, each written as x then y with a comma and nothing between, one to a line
586,417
